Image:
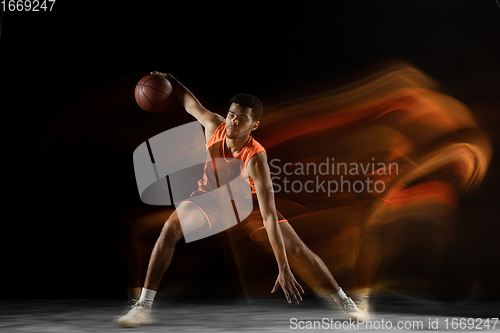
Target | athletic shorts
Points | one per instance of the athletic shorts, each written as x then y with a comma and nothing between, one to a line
253,224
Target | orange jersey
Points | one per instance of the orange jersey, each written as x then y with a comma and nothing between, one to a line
223,163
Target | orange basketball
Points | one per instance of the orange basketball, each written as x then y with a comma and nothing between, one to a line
153,93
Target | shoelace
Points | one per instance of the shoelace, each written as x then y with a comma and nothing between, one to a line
137,307
347,305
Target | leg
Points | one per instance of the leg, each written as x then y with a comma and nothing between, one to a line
138,225
171,233
306,263
313,270
192,218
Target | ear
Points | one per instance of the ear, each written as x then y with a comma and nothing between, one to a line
255,125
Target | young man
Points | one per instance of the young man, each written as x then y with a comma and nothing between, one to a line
231,138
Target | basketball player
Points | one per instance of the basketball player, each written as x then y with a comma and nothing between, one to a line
231,138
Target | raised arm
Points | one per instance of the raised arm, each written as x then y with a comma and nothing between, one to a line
259,171
208,119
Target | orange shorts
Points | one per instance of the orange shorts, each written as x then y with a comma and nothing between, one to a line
253,224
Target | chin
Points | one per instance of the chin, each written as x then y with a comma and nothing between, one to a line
231,134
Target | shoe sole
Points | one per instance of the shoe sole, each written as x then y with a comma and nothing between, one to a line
126,324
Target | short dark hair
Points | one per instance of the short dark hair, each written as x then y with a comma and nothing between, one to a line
249,101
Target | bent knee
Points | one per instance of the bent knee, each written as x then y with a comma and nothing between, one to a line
171,232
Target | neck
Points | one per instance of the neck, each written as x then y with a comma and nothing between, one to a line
235,145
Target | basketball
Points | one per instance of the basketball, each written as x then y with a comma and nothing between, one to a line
153,93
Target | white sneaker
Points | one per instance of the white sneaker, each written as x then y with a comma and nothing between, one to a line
139,314
350,309
362,299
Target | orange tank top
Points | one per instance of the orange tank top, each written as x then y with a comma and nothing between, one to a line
222,164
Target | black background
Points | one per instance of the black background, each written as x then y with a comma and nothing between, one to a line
62,199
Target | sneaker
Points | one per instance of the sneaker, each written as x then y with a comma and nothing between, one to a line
350,309
362,299
139,314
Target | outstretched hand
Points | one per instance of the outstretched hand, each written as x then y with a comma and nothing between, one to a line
289,285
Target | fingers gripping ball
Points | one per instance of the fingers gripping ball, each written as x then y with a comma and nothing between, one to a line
153,93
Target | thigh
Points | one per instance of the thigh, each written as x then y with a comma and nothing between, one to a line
190,218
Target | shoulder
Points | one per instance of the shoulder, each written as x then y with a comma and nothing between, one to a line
213,126
257,165
213,119
257,146
255,152
252,148
259,158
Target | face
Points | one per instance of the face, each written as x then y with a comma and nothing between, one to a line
239,123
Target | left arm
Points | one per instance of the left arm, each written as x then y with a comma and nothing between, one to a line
258,170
